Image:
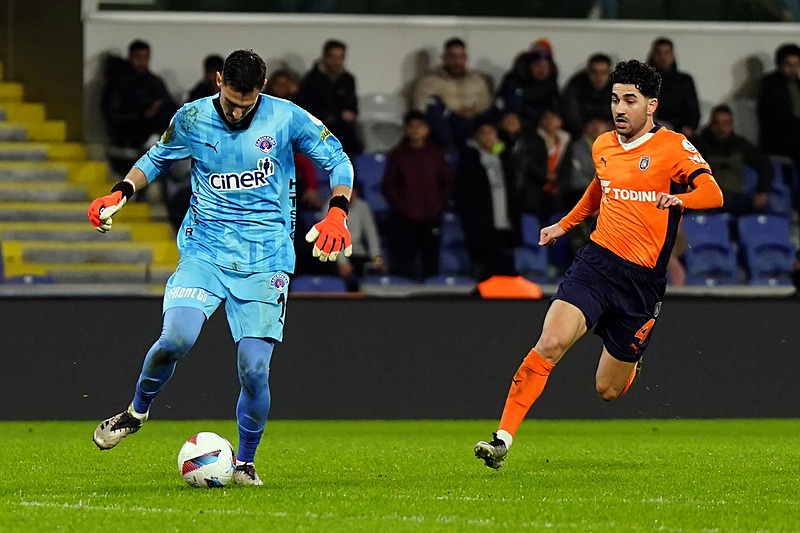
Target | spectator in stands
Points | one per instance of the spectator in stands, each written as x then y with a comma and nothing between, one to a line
587,95
531,86
728,153
135,104
556,140
489,208
779,105
282,83
678,107
527,156
208,85
417,185
328,91
366,257
577,169
453,96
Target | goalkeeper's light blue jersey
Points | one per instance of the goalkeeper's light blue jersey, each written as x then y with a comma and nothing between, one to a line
243,208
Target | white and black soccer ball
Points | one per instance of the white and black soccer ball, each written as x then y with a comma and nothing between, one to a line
206,460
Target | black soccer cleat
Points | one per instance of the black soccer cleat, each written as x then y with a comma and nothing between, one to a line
493,453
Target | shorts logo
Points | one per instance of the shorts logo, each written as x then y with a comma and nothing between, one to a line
324,134
657,310
279,282
644,162
187,292
265,143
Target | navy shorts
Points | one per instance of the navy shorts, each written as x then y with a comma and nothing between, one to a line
620,299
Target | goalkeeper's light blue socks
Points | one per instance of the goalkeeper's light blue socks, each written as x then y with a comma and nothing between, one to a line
254,398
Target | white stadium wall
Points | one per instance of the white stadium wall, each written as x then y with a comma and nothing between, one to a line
386,53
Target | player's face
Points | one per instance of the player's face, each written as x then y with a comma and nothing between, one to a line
235,104
632,111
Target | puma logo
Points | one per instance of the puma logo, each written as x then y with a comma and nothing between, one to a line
213,146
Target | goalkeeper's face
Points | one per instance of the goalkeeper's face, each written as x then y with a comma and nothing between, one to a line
236,104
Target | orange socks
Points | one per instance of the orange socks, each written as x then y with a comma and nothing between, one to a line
528,383
628,383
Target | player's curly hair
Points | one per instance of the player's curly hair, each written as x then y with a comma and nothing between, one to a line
646,79
243,71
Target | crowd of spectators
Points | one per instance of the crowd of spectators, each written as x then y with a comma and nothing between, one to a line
490,154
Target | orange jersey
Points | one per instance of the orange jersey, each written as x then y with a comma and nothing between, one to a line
629,178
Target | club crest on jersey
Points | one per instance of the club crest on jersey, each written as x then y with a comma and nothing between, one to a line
644,162
279,282
237,181
265,143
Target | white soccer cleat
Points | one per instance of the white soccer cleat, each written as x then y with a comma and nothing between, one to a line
492,453
245,474
112,430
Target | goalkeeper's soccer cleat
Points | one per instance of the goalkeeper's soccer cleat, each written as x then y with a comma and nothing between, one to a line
245,474
493,453
112,430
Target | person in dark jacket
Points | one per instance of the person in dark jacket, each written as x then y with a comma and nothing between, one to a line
728,153
208,85
587,95
417,184
530,87
488,204
678,107
328,92
526,153
779,105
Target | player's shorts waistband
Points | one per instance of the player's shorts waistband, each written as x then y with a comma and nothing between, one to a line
618,262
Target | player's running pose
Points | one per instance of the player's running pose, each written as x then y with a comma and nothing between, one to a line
617,281
236,239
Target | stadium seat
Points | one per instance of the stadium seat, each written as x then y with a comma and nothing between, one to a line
317,284
381,107
380,136
452,232
560,253
385,280
710,255
369,172
453,260
450,281
768,250
531,262
530,229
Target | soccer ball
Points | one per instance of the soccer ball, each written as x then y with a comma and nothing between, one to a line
206,460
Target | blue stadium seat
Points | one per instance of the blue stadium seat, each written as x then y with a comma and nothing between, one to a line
710,256
780,194
453,260
376,279
560,253
450,281
768,250
317,284
530,229
531,262
452,232
369,172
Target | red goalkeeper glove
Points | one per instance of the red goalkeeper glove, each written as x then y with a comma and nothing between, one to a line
101,209
331,236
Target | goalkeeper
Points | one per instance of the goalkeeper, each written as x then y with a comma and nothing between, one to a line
236,239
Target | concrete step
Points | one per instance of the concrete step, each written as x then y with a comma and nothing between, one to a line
84,232
16,172
16,252
22,112
44,131
13,132
95,273
11,91
54,151
43,192
66,212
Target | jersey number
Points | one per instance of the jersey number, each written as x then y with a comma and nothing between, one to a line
645,331
282,303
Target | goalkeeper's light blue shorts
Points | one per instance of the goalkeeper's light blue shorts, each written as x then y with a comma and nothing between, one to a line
255,303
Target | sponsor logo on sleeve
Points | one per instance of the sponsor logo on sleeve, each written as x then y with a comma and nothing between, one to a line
689,147
324,134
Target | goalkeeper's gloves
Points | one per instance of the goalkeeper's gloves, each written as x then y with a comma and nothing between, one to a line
331,236
101,209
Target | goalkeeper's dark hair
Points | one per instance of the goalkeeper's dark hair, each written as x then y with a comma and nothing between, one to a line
243,71
646,79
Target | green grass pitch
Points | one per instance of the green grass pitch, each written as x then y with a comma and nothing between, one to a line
633,475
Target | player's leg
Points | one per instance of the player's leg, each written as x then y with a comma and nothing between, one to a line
614,376
563,325
181,327
253,357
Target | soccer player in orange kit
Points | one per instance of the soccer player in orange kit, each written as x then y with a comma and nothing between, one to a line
616,283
